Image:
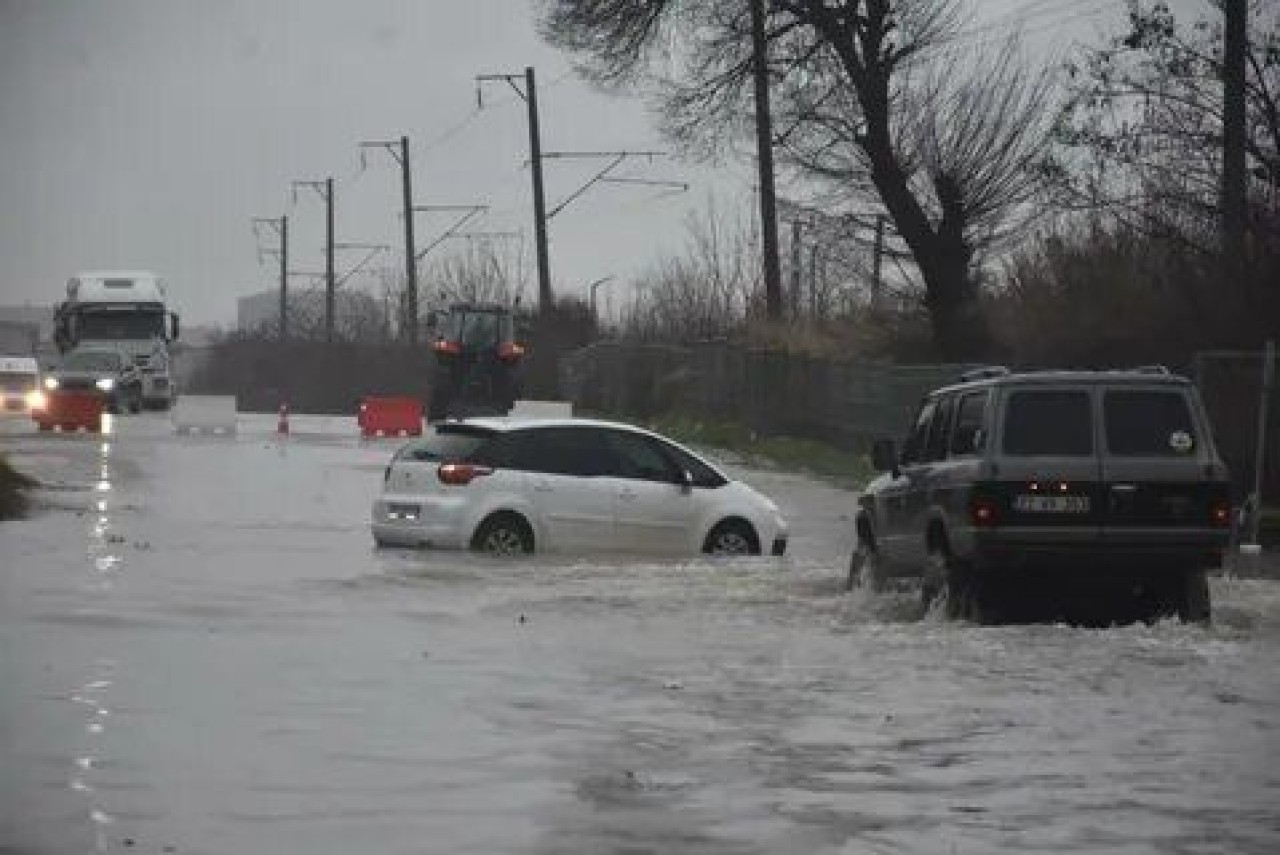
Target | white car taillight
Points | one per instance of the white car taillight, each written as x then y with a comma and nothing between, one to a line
461,474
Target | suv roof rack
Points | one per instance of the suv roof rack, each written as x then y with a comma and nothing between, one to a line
1151,369
987,372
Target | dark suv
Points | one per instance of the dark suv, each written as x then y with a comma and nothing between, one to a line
1081,488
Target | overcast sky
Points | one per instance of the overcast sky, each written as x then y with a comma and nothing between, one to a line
148,133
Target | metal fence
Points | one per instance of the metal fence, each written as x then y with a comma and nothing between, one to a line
849,402
1231,384
853,401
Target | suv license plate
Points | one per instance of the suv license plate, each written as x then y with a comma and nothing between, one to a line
1051,504
403,512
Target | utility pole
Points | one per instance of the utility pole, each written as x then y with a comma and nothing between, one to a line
764,151
1234,202
877,263
813,281
280,225
330,286
546,298
400,151
796,231
325,189
284,279
410,263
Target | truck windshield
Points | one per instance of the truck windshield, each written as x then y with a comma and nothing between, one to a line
120,326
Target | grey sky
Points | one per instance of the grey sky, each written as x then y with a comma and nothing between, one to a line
147,133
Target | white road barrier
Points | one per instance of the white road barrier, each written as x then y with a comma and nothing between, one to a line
542,410
205,414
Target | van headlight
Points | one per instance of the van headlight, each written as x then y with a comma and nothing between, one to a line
36,400
106,384
51,383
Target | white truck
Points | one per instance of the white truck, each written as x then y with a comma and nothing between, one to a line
125,310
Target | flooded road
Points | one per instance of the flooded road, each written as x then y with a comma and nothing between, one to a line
200,652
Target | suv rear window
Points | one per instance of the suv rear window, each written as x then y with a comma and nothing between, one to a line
1050,423
1148,423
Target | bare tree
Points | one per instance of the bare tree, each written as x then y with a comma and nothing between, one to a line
708,290
479,273
874,101
1140,139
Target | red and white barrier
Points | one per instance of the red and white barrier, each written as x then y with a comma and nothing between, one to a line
390,416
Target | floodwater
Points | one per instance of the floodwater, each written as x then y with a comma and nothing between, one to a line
201,652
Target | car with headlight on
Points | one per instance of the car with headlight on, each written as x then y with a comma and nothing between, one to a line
109,373
507,486
20,391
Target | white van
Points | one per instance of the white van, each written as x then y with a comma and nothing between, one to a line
19,385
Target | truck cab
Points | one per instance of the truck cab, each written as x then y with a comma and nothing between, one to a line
125,311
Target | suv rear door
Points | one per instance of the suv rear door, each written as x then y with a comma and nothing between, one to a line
1159,467
1048,471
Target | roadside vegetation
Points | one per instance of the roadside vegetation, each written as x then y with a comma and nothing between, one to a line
13,487
846,468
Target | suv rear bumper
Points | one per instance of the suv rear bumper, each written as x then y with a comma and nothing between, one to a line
1132,548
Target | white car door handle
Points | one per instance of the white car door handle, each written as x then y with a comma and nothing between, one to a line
627,494
542,487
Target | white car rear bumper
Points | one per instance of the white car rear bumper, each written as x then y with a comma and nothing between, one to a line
419,521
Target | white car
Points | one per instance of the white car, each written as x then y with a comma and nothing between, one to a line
509,486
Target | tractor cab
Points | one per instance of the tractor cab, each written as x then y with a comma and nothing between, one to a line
477,361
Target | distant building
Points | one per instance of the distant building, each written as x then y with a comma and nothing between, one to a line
26,330
356,314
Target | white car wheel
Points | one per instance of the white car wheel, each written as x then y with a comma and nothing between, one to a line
503,535
731,538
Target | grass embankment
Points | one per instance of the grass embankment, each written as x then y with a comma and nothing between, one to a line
13,487
783,452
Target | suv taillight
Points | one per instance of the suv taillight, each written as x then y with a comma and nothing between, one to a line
1220,513
983,513
452,348
509,351
461,474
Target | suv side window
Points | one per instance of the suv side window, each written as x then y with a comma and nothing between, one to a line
914,445
940,430
1048,422
970,432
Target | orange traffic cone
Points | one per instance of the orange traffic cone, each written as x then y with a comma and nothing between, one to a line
282,426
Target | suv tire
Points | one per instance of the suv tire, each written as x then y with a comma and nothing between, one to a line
1193,597
864,567
956,582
